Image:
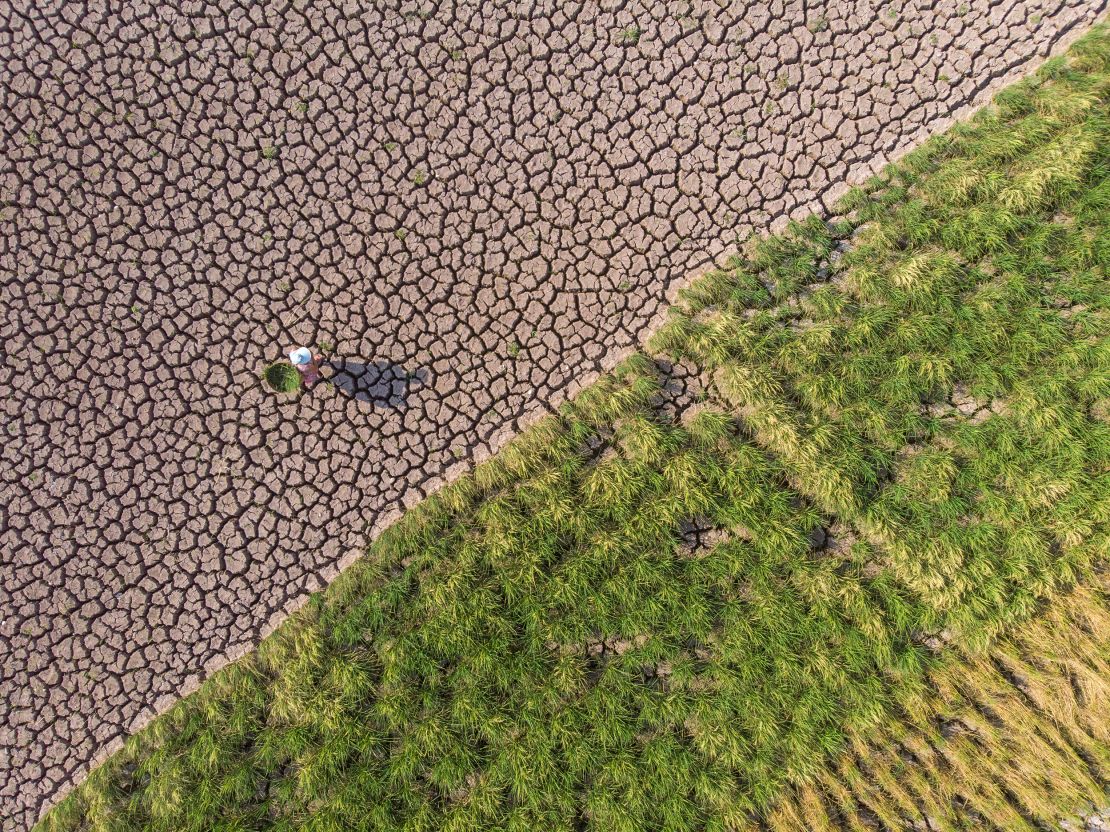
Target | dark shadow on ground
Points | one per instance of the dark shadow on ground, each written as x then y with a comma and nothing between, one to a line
382,383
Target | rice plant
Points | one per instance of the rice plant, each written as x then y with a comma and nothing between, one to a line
1013,738
282,377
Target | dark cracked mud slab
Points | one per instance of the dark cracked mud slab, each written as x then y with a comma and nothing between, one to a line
479,207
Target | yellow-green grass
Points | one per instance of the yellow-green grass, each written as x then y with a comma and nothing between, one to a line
1004,739
535,647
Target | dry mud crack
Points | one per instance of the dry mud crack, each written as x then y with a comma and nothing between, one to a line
479,208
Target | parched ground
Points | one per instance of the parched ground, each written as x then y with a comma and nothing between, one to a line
477,209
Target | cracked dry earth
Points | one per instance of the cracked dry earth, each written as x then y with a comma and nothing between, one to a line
479,207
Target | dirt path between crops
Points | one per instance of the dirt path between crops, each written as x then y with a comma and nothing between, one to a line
478,213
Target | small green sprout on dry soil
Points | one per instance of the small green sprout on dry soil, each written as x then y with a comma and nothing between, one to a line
629,36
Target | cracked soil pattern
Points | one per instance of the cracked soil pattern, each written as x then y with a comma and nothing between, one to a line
479,208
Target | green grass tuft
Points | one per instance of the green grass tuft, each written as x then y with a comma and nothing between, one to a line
282,377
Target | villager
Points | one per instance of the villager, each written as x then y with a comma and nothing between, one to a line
307,364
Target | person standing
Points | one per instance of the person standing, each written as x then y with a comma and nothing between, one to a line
307,364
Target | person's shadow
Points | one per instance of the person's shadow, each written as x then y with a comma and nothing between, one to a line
381,382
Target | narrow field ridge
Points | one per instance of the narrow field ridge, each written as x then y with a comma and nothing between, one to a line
830,553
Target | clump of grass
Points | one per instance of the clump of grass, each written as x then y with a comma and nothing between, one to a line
630,35
282,377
